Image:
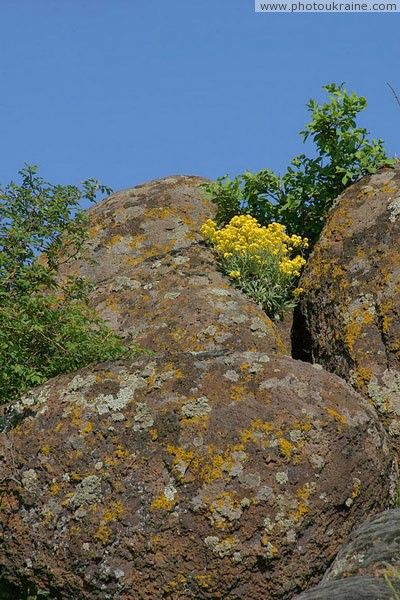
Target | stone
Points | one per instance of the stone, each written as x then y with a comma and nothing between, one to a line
349,315
208,487
155,281
370,552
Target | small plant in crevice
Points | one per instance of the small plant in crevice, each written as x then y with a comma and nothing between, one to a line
263,262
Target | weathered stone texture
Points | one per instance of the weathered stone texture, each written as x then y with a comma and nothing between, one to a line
371,552
187,477
155,281
350,309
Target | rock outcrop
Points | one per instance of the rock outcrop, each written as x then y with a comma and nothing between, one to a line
371,552
186,476
216,468
349,315
155,281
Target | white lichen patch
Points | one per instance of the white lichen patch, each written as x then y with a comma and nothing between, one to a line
238,457
143,417
264,493
296,435
107,403
394,209
180,260
394,428
269,526
199,407
208,332
359,307
232,376
239,318
224,509
124,283
250,480
149,370
170,492
34,397
75,391
29,480
119,573
220,292
385,394
258,327
88,491
282,477
226,547
172,295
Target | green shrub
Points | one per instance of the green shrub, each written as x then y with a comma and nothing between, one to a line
301,198
46,325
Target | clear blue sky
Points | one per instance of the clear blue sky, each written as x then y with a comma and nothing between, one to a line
131,90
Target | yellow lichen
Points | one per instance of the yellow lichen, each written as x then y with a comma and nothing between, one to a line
113,512
102,534
286,448
337,416
161,502
356,488
55,488
88,428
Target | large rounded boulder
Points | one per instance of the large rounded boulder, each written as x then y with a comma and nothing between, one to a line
349,315
185,476
155,281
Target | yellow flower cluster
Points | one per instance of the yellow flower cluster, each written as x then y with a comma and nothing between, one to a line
245,237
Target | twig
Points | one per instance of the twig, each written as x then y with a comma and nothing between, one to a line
394,93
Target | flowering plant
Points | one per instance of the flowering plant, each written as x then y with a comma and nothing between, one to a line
263,262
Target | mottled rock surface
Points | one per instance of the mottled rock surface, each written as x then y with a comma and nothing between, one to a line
186,477
351,306
157,284
358,571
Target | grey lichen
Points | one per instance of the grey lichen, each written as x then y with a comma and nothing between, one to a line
88,491
143,417
196,408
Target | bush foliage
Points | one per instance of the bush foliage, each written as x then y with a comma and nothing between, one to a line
301,198
46,325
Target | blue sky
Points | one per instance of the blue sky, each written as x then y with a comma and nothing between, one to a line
131,90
